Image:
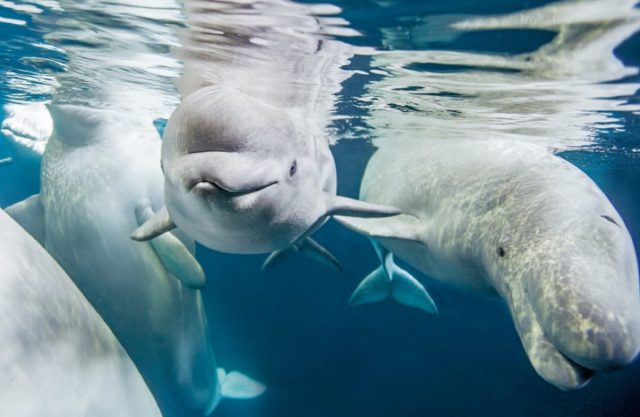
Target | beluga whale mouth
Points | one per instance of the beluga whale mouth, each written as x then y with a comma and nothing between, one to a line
205,186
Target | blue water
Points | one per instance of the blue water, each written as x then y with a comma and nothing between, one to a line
290,327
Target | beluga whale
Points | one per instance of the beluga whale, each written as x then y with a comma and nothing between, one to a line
58,357
246,156
510,219
99,181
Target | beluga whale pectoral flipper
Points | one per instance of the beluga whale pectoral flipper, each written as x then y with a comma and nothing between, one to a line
174,255
513,220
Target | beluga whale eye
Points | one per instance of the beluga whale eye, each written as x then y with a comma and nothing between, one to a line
610,219
501,252
293,169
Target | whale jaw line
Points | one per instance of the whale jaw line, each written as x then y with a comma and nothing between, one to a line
208,187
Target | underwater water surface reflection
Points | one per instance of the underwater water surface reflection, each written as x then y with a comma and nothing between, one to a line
364,75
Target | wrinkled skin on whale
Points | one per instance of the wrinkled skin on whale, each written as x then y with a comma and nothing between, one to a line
243,176
497,217
58,357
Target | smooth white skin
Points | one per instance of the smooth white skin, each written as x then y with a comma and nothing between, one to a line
574,270
97,167
58,357
229,138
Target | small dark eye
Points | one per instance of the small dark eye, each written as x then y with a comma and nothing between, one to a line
500,251
161,166
610,219
293,169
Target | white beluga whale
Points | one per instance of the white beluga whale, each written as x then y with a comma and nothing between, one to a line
246,155
505,218
58,356
242,176
100,179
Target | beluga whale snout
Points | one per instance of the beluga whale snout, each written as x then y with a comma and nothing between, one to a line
245,176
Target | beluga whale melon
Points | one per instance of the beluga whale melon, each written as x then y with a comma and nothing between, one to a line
510,219
58,357
246,155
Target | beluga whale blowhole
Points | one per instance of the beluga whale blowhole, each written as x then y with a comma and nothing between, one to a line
244,176
511,219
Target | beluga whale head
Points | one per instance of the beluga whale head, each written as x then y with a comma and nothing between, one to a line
244,176
568,271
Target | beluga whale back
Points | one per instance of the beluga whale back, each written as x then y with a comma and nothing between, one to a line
246,155
58,357
511,219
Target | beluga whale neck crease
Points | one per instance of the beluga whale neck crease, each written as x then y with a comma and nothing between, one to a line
244,176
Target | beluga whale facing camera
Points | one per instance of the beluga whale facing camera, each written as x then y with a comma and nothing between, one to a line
242,176
246,155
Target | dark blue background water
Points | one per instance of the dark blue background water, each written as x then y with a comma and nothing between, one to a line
291,329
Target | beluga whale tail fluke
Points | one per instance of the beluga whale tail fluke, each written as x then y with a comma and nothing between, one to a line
308,247
238,386
5,161
390,281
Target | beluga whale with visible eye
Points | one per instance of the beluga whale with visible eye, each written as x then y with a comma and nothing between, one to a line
243,176
511,219
246,155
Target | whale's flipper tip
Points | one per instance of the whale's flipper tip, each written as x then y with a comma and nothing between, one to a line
172,252
5,161
400,226
238,386
345,206
179,261
308,247
156,225
391,281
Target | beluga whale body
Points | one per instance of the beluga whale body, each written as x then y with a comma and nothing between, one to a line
58,357
100,179
510,219
246,155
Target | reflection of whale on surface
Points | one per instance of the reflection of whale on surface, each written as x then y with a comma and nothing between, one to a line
58,357
246,154
98,171
512,219
560,94
28,128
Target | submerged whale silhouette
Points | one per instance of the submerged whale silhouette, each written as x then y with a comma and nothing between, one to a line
497,217
58,357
